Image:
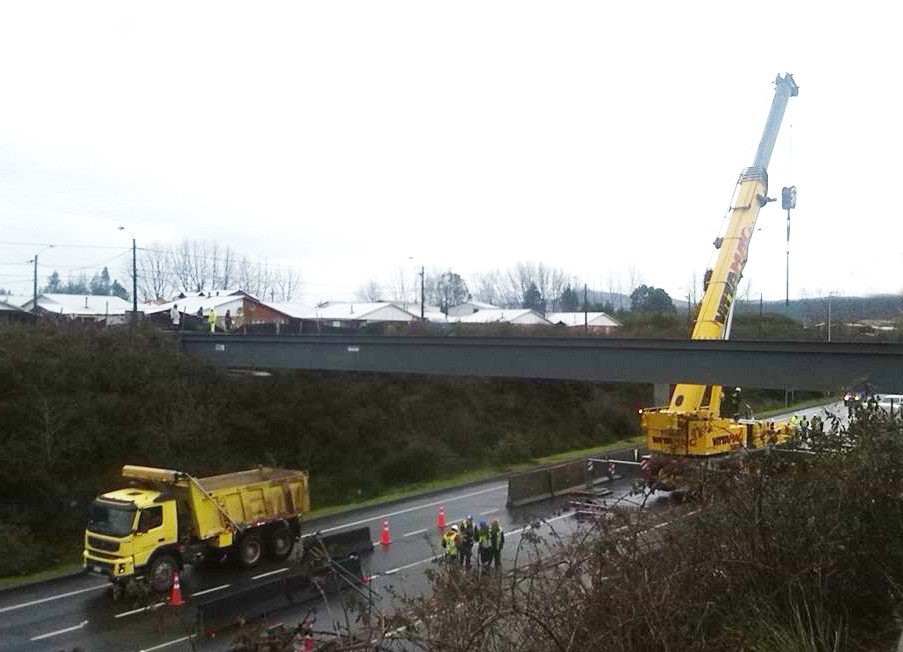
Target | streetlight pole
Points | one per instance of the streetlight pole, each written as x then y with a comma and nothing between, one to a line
34,307
134,276
830,294
422,292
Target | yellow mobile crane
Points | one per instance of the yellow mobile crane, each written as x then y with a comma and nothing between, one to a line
692,425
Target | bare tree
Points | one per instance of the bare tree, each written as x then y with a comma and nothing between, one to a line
180,264
486,287
614,287
154,272
287,282
369,292
403,288
199,265
247,278
634,279
227,274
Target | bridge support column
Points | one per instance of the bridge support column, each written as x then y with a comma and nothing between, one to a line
661,394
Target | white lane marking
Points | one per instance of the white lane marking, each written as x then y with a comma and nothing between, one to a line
215,588
415,508
488,512
410,534
167,644
267,574
59,631
520,531
53,597
139,610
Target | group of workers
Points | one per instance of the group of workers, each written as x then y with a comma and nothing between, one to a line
458,542
178,318
816,426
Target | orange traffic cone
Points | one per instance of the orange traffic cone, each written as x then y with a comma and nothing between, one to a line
175,596
384,539
440,522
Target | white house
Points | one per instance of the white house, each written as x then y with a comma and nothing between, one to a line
519,316
91,307
594,321
335,314
469,307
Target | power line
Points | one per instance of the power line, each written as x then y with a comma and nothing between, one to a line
57,246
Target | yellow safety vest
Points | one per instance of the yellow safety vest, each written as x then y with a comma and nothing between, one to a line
451,549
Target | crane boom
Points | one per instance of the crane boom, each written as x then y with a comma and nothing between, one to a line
691,424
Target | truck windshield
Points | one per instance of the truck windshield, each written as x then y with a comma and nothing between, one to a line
112,520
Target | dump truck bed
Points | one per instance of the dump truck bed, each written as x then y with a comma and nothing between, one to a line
247,498
222,505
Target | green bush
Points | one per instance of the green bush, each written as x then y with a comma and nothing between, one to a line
21,553
511,449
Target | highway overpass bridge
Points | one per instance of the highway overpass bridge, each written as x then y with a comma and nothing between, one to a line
828,366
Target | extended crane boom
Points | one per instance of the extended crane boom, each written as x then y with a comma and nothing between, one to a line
692,423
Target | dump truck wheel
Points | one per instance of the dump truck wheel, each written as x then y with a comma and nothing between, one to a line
162,570
280,543
250,549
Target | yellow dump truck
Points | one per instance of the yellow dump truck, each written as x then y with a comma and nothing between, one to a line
165,520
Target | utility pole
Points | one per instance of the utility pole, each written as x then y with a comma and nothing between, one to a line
134,275
422,292
829,316
134,280
585,308
34,307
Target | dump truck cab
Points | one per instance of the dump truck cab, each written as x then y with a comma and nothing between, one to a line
127,529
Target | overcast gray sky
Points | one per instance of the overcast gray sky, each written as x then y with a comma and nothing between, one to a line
342,138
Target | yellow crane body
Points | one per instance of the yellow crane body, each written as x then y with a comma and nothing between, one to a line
692,425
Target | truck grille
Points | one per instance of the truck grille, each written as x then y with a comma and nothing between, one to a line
103,544
100,567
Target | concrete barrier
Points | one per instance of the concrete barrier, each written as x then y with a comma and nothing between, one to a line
551,481
529,487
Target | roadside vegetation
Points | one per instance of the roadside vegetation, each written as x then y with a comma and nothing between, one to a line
76,403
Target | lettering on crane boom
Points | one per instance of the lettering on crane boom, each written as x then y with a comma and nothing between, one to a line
733,276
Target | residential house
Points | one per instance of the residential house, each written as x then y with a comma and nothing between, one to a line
596,322
92,308
518,316
338,316
247,312
469,307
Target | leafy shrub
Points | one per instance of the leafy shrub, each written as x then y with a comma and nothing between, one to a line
511,449
21,553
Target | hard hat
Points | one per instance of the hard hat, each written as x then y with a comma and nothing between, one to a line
469,517
495,519
454,528
482,523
